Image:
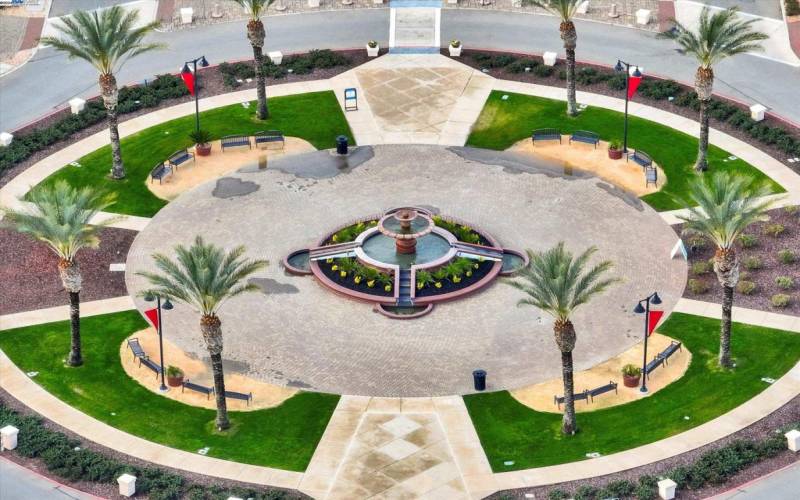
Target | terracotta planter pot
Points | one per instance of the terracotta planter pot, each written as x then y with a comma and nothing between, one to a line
631,380
175,381
615,154
203,149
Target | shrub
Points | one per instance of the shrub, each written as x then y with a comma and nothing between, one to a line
519,65
746,287
697,243
616,81
784,282
748,240
792,7
774,230
558,494
326,58
501,61
590,76
659,89
700,267
631,370
697,287
543,71
791,209
787,256
585,492
688,100
647,488
753,263
781,300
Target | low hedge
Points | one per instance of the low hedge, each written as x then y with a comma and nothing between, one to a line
65,458
792,7
301,64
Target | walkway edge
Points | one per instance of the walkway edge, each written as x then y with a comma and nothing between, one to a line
61,313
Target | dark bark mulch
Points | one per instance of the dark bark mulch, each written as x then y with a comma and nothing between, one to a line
764,278
448,286
29,274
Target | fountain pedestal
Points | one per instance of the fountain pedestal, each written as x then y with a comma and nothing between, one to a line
406,246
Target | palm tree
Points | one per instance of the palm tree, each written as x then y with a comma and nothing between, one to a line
565,10
721,208
105,39
256,34
204,277
718,36
557,283
59,216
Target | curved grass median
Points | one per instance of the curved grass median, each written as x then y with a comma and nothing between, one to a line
505,122
315,117
510,431
284,437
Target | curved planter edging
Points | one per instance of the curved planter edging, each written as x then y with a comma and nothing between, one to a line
295,271
426,310
521,255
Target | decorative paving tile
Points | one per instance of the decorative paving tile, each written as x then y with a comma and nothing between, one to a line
399,449
400,426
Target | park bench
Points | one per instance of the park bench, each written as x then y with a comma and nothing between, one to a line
239,395
652,365
208,391
641,158
179,157
578,396
269,137
159,172
671,349
650,176
233,141
586,137
150,364
136,348
610,386
546,134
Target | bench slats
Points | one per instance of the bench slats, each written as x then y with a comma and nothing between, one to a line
150,364
586,137
239,395
230,141
136,347
546,134
208,391
179,157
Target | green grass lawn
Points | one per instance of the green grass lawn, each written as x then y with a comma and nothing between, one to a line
509,430
284,437
315,117
503,123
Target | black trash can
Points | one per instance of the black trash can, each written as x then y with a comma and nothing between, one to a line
479,377
341,145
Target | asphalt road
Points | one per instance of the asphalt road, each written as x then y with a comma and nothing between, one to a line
780,485
19,483
49,80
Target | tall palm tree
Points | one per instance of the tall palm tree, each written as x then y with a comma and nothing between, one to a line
565,10
204,277
721,208
718,36
256,34
105,39
558,283
59,216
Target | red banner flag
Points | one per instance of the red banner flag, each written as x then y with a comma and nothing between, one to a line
152,315
188,79
633,84
655,317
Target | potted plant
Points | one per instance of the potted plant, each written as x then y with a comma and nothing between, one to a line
373,48
455,48
174,376
631,375
202,139
614,150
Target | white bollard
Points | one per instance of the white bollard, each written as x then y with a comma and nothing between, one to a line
187,14
6,138
76,105
127,485
549,58
8,437
234,498
757,112
583,8
643,17
793,440
276,57
313,3
666,489
613,12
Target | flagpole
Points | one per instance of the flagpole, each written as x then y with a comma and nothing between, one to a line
627,68
646,310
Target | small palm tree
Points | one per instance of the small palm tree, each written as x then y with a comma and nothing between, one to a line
565,10
718,36
105,39
558,283
256,34
721,208
59,216
204,277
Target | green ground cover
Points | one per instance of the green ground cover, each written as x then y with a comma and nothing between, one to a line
509,430
315,117
503,123
284,437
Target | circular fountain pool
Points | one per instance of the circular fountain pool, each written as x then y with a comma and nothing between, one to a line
382,249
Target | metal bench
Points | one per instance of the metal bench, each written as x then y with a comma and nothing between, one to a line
651,366
179,157
671,349
208,391
233,141
136,348
150,364
239,395
610,386
269,137
586,137
641,158
546,134
650,176
578,396
159,172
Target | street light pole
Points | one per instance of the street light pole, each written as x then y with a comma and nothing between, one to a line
636,73
654,299
204,63
167,306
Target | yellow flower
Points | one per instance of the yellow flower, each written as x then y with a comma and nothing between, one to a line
357,279
342,273
335,238
469,273
334,267
420,285
476,266
371,283
438,284
456,279
329,261
388,288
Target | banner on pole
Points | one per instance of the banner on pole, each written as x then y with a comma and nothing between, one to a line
633,84
152,315
655,317
188,80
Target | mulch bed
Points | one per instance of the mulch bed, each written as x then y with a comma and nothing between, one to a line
787,414
29,273
764,278
448,286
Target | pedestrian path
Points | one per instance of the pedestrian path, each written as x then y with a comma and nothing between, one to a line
740,314
61,313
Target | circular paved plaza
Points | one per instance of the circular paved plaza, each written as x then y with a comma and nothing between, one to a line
300,334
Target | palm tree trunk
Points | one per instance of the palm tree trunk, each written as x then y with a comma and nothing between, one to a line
75,357
222,421
701,165
725,327
572,103
261,84
568,425
109,92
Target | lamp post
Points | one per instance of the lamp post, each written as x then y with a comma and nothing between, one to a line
167,305
622,65
203,63
650,299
